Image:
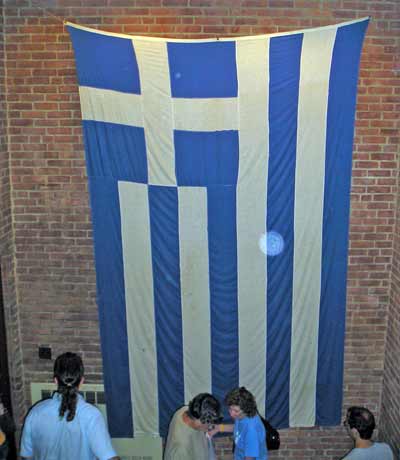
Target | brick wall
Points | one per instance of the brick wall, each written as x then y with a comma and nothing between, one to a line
390,408
53,237
7,250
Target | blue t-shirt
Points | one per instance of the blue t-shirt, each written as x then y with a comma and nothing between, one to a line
249,436
46,436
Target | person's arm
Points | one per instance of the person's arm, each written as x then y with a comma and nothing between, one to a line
221,428
251,444
3,446
26,446
99,438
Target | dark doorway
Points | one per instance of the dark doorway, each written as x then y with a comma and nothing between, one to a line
5,393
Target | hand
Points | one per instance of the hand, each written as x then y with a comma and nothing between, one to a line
214,431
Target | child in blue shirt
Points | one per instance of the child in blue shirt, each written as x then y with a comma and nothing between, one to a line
248,429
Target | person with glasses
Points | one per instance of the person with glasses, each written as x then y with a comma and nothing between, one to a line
188,430
360,424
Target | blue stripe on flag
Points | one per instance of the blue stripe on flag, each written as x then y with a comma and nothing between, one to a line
339,143
206,158
283,99
115,150
105,62
222,243
111,301
163,202
203,70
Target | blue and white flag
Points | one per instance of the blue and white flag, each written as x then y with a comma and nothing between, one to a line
219,174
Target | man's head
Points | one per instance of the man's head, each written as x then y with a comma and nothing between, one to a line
360,422
205,410
68,370
68,374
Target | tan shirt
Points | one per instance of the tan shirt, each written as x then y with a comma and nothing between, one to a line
183,442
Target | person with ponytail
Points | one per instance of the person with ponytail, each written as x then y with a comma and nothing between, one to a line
66,427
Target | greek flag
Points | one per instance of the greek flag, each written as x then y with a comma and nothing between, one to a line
219,174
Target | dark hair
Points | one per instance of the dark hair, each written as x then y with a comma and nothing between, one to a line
244,399
362,420
68,370
205,408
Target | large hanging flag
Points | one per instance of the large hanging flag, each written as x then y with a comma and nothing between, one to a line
219,175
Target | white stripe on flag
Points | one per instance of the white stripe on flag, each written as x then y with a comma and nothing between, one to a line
253,79
205,114
110,106
153,65
136,244
195,292
189,114
308,219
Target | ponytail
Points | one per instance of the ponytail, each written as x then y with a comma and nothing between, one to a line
68,402
68,370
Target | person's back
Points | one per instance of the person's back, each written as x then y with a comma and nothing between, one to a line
48,436
378,451
183,441
360,424
65,427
